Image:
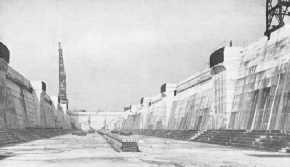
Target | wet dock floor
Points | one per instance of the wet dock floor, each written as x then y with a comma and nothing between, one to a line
92,151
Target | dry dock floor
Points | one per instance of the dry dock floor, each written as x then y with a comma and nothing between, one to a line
93,151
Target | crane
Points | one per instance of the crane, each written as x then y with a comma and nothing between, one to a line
279,11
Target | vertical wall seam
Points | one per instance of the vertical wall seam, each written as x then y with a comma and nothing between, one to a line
24,105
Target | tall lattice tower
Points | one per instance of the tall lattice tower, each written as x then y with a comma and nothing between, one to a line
62,98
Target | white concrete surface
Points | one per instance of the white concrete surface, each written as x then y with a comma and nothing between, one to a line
93,151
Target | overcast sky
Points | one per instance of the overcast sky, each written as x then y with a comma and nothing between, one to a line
116,52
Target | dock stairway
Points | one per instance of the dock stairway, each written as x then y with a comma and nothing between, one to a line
13,136
164,133
274,140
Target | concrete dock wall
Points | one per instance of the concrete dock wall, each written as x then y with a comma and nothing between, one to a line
25,103
189,109
244,88
262,91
